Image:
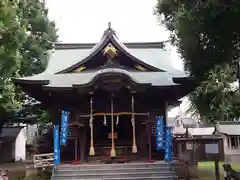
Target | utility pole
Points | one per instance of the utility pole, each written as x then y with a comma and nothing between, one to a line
238,73
238,77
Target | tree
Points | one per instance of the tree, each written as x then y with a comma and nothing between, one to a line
205,31
12,35
216,99
41,36
26,35
207,37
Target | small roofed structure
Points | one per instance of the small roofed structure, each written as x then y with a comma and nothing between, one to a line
230,132
204,131
182,126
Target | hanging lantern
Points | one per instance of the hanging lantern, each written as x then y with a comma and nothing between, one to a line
105,120
92,151
134,146
117,121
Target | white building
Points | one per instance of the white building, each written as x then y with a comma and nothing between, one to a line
13,142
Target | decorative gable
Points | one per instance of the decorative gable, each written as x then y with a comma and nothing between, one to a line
110,51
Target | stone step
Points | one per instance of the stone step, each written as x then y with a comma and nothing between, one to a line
135,171
113,174
125,178
113,166
109,169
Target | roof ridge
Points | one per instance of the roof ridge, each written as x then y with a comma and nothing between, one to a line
132,45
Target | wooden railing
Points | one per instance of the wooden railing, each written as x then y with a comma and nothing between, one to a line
43,160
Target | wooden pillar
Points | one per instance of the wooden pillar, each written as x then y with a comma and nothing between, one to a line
165,113
151,122
75,144
55,115
143,138
83,137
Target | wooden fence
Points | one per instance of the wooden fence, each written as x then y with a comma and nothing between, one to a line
43,160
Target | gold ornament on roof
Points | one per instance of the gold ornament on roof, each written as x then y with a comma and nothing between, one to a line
140,67
110,50
81,68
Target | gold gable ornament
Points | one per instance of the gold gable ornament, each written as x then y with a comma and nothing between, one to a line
140,67
81,68
110,50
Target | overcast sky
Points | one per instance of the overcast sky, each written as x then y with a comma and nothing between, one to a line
84,21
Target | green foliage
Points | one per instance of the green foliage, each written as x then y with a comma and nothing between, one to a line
207,36
32,113
11,37
206,32
44,119
216,99
41,34
26,34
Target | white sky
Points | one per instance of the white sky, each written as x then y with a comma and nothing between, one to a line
84,21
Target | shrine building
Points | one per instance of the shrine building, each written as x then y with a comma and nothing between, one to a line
113,92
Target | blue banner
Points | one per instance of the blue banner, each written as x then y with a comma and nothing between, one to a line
56,145
64,127
169,144
160,135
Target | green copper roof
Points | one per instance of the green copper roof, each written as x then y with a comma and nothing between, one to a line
66,57
147,54
63,58
71,79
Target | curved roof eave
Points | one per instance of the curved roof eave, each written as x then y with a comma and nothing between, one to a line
95,50
67,80
38,79
156,79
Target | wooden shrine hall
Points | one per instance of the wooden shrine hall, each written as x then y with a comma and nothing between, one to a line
113,91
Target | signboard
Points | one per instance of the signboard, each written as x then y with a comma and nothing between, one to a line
160,133
64,127
56,145
189,146
211,148
115,134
